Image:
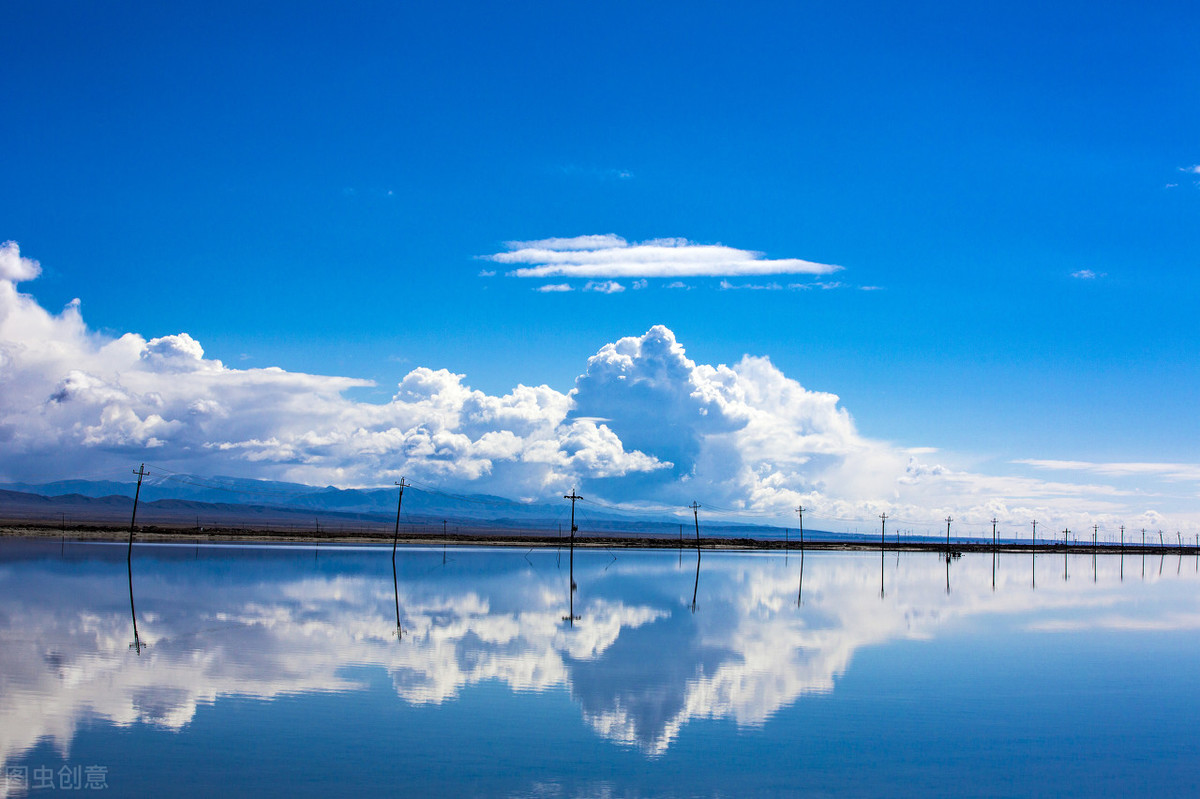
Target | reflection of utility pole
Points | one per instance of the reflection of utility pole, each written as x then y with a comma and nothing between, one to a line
571,618
396,589
800,592
696,587
137,641
696,516
141,472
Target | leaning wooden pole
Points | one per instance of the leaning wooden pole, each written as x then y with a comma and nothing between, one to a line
396,534
141,472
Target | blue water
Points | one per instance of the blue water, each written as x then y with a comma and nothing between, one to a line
278,671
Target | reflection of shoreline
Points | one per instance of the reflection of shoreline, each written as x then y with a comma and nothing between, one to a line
549,540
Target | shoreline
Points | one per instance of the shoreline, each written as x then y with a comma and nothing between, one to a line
515,539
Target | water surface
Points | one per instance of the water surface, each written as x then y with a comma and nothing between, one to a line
295,671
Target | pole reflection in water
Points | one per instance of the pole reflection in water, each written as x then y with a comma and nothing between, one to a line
947,573
136,645
399,632
571,618
881,551
696,587
800,592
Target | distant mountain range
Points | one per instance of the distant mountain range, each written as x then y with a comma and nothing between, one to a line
294,496
228,501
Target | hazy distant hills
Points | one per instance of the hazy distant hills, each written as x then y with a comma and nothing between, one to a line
191,501
291,496
184,500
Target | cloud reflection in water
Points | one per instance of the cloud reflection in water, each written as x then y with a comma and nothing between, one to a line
639,664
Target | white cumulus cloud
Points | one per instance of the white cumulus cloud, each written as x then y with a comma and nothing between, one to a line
15,268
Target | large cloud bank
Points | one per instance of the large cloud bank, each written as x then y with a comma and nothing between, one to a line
643,424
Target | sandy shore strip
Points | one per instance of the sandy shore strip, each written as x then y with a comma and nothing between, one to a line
516,538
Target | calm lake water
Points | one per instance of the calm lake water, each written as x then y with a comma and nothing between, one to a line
278,671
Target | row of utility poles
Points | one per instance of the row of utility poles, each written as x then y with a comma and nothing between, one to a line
141,474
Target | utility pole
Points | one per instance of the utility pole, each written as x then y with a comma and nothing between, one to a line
573,497
993,532
1122,536
1095,533
948,520
141,472
882,528
800,511
1035,533
396,535
696,517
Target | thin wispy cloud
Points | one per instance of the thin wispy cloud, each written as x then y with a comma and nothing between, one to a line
1086,274
1167,471
610,256
595,172
727,286
604,286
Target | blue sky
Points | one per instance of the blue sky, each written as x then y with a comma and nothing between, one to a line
314,191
